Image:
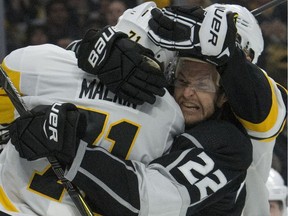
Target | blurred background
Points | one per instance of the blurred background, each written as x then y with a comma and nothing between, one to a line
33,22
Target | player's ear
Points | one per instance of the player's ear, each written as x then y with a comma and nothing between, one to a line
221,99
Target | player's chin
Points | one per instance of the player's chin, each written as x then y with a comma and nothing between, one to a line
192,119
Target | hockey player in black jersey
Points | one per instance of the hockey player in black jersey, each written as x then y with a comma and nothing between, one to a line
250,92
204,172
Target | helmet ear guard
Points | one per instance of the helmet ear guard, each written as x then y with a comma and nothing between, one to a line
134,22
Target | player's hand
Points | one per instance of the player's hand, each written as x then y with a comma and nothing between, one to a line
176,28
49,131
124,66
210,34
218,34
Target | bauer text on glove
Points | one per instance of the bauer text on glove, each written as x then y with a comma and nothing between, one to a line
126,68
49,131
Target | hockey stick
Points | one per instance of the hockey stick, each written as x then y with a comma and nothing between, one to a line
19,104
266,6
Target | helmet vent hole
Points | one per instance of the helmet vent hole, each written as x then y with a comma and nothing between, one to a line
145,13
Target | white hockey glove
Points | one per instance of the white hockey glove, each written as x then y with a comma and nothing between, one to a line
218,34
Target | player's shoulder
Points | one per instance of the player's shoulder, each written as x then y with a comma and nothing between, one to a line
222,137
166,108
37,55
169,102
35,50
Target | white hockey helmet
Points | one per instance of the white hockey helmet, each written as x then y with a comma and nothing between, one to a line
276,188
134,22
251,39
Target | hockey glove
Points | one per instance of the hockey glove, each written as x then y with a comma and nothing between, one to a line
176,28
124,66
218,34
208,34
49,131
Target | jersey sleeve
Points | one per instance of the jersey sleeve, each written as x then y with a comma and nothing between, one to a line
206,165
7,110
256,99
24,62
259,103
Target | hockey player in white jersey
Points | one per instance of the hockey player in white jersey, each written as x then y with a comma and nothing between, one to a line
257,101
263,130
258,116
166,170
251,108
195,150
46,74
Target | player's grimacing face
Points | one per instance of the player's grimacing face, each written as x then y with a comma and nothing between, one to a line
196,90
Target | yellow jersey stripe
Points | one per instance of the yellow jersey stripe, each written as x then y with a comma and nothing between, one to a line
6,203
271,119
6,107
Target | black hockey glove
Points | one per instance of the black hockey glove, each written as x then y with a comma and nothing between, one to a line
176,28
209,34
124,66
49,131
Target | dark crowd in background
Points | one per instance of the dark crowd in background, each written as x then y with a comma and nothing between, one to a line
34,22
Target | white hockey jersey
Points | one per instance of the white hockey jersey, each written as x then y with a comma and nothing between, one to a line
263,137
46,74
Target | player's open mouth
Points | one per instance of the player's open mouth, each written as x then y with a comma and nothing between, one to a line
190,106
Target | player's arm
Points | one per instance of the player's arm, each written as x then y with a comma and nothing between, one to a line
7,110
124,66
254,97
182,182
245,83
200,170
